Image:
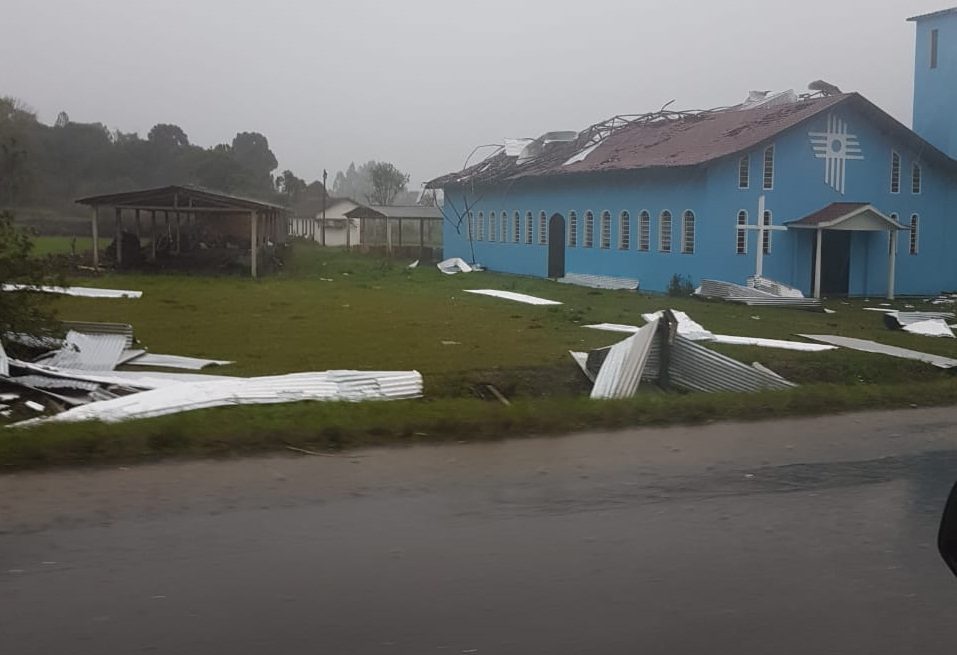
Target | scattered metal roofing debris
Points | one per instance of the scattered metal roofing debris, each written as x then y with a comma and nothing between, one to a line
89,352
874,347
687,328
352,386
660,354
510,295
454,265
4,361
37,407
85,292
774,287
771,343
753,296
88,327
600,281
36,381
620,373
175,361
932,327
128,379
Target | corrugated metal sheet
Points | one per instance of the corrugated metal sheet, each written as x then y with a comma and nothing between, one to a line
896,319
874,347
600,281
49,382
621,371
353,386
751,296
83,292
697,368
175,361
88,352
87,327
510,295
4,362
130,379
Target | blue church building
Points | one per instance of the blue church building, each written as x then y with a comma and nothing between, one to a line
825,192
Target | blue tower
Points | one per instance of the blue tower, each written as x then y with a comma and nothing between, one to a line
935,79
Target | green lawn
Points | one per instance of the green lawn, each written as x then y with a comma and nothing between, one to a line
46,245
329,309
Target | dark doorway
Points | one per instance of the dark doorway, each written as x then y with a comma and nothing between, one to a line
556,246
835,263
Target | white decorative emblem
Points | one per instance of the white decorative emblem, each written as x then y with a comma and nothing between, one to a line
835,147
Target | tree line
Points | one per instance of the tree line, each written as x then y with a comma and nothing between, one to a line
49,166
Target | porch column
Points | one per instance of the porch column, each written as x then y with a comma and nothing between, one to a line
817,264
153,235
759,247
892,265
137,223
96,237
253,244
119,237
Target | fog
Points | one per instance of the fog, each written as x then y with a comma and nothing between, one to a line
420,83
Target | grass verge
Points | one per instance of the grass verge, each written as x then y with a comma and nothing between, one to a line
338,426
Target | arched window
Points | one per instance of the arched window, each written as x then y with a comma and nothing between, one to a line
504,219
517,227
644,231
572,229
529,228
481,226
744,172
492,226
624,231
741,247
915,180
471,225
664,231
589,229
687,232
895,172
769,168
605,230
768,220
542,228
914,236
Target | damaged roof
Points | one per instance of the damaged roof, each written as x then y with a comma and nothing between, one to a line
676,139
179,196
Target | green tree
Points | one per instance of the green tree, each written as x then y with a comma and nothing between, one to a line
290,186
24,313
168,136
387,182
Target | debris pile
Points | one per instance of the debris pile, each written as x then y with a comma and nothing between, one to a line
931,324
660,353
760,292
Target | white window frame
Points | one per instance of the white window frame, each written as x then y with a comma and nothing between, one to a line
589,237
665,244
768,221
744,172
913,244
471,225
529,228
768,169
542,229
604,231
896,166
916,178
572,229
492,226
481,227
517,227
504,225
685,216
624,230
644,231
741,233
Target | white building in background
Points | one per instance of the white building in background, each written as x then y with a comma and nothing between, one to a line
306,223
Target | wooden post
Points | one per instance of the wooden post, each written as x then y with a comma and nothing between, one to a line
388,235
137,223
153,235
96,237
119,237
176,205
421,237
253,243
817,264
348,233
892,265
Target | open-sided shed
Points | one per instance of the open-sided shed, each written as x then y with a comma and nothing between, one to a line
244,224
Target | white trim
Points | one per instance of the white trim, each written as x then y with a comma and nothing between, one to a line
900,165
745,158
913,237
624,218
661,232
572,229
915,166
647,248
684,231
741,230
846,217
601,230
542,228
588,238
764,167
517,228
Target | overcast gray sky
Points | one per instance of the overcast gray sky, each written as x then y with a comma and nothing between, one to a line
420,82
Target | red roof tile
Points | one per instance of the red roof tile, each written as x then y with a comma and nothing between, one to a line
829,213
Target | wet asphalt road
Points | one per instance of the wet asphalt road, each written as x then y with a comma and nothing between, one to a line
800,536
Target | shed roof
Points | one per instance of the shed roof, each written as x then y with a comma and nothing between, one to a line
179,196
671,140
396,211
934,14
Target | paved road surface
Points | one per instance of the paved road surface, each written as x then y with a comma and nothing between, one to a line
800,536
